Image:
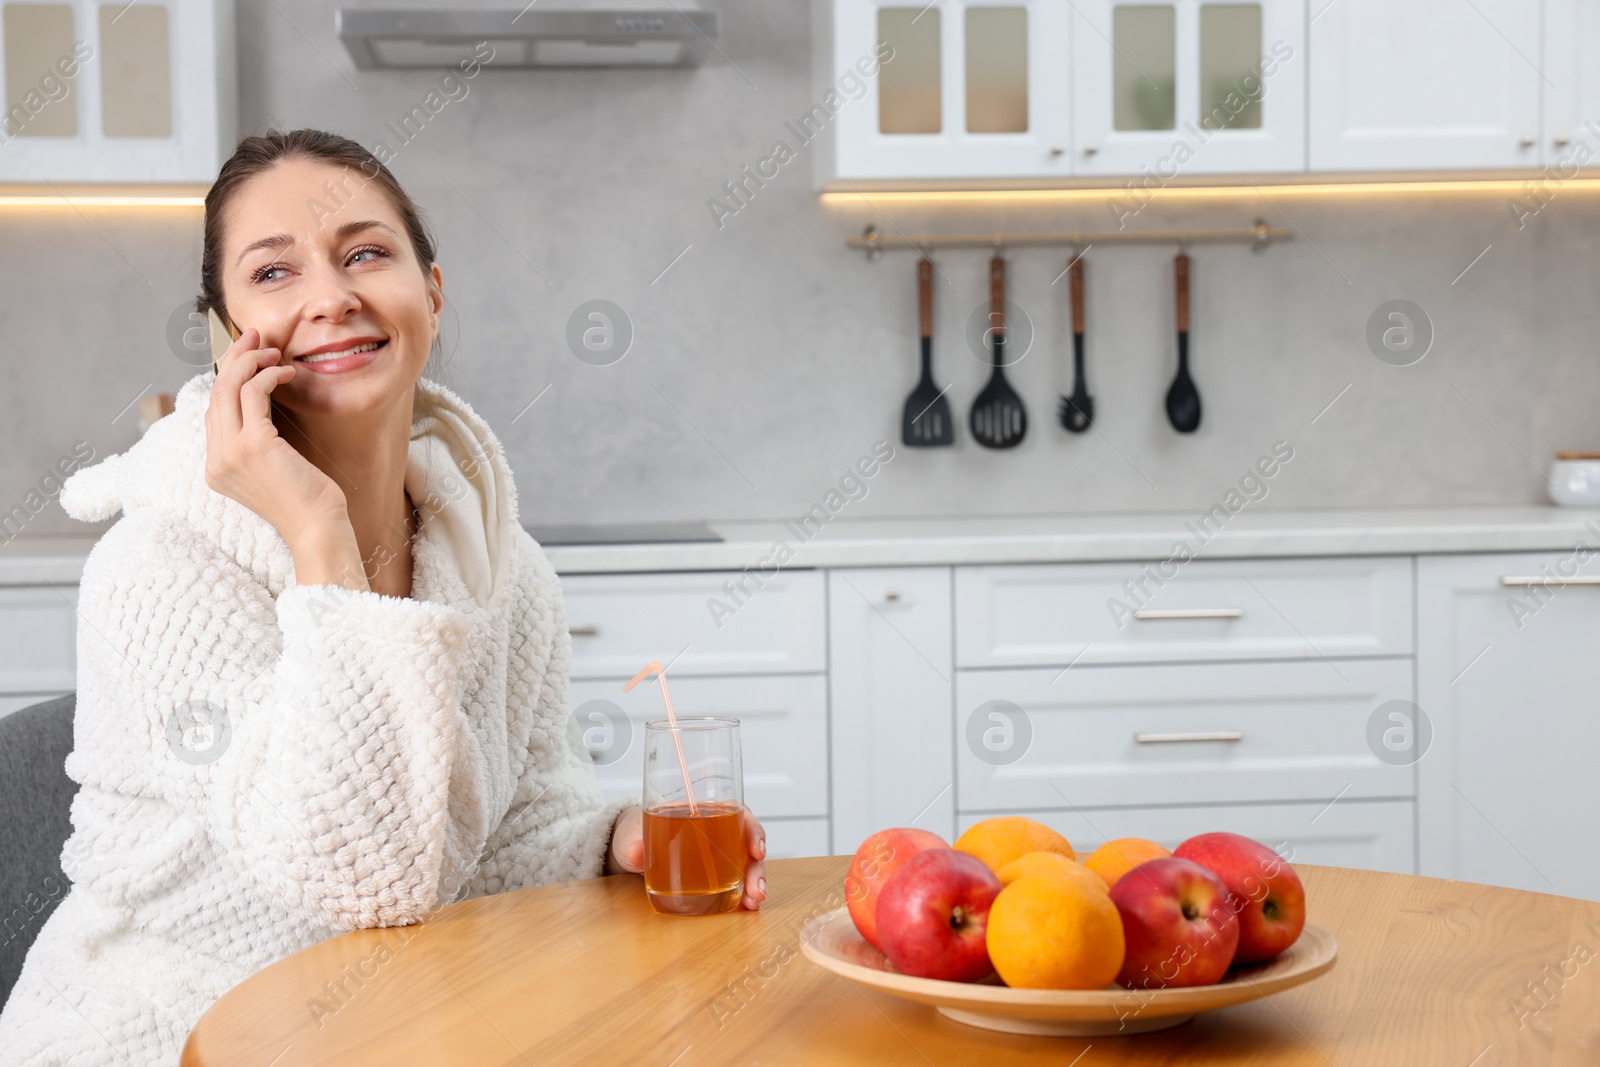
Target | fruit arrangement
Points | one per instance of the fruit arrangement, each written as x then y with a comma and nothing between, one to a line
1011,898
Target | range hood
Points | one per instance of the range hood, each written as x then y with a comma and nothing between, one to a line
532,37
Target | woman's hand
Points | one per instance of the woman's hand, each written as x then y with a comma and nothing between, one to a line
627,853
247,460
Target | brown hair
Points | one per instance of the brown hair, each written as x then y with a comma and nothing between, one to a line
257,154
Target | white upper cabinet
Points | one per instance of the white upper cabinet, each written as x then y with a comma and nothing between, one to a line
1571,136
949,89
1180,87
116,92
1425,85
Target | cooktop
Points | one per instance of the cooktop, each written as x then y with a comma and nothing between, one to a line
639,533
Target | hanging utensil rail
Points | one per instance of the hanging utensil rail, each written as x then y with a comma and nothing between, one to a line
874,243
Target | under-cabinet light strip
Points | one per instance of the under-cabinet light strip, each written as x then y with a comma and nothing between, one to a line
69,200
1540,185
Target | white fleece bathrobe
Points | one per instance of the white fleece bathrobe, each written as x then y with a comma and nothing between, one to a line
384,755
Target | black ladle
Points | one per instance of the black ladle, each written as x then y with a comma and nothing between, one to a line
1183,399
1077,410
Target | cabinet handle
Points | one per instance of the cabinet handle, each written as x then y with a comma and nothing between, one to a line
1151,614
1090,149
891,595
584,631
1529,142
1058,149
1195,735
1577,579
1561,140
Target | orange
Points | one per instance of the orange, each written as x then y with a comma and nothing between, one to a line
999,841
1050,932
1050,865
1116,858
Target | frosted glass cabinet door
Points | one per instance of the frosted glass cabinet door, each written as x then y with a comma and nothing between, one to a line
103,91
1425,85
1164,89
948,89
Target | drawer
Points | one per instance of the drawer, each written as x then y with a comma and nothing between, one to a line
1371,835
620,622
1056,614
792,838
1109,736
38,635
783,730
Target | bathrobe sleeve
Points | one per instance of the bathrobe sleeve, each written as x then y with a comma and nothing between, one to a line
558,827
344,767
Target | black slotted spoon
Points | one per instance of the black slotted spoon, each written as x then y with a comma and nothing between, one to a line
998,419
926,422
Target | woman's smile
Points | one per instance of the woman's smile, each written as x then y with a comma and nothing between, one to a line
336,357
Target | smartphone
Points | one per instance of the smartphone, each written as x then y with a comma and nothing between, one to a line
222,337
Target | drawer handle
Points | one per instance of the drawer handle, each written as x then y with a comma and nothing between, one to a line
1577,579
1183,738
1151,614
584,631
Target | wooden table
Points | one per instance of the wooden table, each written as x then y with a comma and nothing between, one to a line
1429,972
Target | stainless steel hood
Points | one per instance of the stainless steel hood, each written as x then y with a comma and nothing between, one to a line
531,37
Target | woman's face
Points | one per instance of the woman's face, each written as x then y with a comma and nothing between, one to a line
317,259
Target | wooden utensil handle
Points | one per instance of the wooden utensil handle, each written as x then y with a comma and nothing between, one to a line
997,294
1075,280
925,296
1180,269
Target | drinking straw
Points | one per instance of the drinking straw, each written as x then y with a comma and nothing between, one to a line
672,721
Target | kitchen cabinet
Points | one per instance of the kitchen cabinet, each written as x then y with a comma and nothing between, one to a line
116,92
1428,85
783,734
1191,733
1038,615
1370,835
38,644
1163,88
889,677
1572,89
948,89
718,622
881,696
1507,787
1157,91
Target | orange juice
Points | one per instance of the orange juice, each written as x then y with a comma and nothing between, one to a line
694,864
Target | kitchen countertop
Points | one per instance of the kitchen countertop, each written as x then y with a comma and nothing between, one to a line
1026,539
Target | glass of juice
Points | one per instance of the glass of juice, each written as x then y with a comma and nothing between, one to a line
694,853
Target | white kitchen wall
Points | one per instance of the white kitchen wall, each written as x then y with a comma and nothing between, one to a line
766,357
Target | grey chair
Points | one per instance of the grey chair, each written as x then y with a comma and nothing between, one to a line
35,821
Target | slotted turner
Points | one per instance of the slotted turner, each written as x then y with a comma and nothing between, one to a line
926,422
998,419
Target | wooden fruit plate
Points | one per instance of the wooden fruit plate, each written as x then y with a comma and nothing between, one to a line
831,942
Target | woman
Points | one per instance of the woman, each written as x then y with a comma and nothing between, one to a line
320,564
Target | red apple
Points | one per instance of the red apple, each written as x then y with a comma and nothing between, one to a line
1176,925
874,864
933,916
1264,891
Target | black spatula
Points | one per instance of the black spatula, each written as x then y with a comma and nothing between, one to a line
926,422
1183,399
998,419
1077,410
